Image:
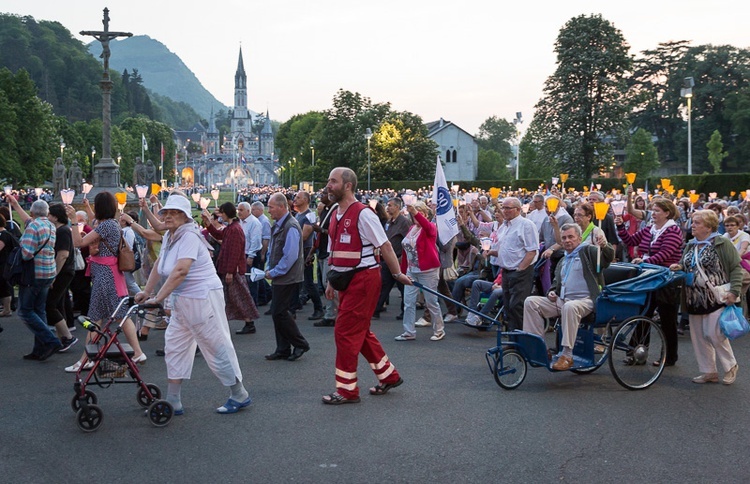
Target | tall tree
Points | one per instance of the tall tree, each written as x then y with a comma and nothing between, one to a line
496,134
641,155
716,153
585,105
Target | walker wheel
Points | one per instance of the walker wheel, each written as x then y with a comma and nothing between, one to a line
142,397
89,419
91,399
160,413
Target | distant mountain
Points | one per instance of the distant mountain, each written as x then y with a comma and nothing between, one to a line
163,72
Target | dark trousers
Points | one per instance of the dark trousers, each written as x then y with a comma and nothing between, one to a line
311,289
287,332
386,286
516,288
666,300
81,289
56,296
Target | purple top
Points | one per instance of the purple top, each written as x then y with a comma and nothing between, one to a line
665,251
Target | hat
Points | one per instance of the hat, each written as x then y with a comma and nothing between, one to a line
178,202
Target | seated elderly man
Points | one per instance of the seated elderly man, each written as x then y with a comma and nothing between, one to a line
479,287
574,290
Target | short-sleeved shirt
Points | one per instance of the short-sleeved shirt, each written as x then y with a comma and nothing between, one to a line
517,237
738,239
65,242
306,218
201,278
372,234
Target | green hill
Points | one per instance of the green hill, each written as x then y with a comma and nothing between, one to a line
163,71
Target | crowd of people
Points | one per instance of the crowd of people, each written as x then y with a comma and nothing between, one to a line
534,255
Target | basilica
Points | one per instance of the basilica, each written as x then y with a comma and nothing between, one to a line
245,155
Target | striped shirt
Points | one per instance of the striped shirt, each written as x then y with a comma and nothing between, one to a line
665,251
38,232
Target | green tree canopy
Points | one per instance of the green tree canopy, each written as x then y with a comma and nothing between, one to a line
585,106
716,153
641,155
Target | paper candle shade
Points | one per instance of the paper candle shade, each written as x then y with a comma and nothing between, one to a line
525,208
694,197
494,192
86,188
630,177
141,190
732,193
8,189
552,204
618,207
712,195
196,197
67,196
121,197
204,202
38,192
564,177
155,188
373,204
486,243
601,209
555,180
215,194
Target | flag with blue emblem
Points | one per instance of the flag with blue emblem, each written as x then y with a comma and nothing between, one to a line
445,217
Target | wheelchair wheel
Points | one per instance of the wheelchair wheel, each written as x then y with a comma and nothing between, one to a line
91,399
89,419
142,396
160,413
636,345
513,370
601,352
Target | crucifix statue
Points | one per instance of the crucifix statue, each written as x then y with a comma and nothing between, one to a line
106,172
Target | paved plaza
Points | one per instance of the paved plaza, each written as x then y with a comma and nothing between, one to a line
449,421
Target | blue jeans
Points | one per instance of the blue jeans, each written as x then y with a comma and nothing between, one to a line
460,286
32,301
477,288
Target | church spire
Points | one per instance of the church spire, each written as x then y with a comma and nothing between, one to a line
240,78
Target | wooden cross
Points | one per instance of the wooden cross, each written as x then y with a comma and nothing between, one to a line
104,37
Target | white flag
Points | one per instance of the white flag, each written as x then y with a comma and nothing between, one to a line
446,218
143,139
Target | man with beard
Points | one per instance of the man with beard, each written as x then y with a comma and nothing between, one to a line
356,240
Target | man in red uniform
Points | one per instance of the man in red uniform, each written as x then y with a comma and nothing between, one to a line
355,237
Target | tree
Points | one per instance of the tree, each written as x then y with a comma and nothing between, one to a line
716,151
493,166
585,105
401,149
496,134
641,155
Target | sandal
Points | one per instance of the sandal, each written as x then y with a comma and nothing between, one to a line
233,406
336,398
382,388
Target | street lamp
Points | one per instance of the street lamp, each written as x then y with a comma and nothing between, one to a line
93,154
312,149
687,93
62,147
368,135
516,122
119,158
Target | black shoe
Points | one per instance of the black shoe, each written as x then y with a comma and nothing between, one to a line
246,329
51,350
31,356
67,343
276,356
400,316
324,323
297,354
317,314
160,353
142,336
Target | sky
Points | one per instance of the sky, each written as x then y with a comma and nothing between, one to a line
463,61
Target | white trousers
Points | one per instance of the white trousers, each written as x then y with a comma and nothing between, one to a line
536,308
709,342
430,280
200,322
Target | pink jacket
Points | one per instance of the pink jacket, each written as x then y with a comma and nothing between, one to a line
426,246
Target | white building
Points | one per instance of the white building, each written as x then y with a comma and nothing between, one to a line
457,148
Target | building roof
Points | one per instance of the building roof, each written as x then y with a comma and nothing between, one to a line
434,127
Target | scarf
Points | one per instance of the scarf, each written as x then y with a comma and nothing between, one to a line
709,240
588,231
655,233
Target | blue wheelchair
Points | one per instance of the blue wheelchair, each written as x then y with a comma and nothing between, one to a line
618,332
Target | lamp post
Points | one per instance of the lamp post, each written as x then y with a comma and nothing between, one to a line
687,93
368,135
516,122
62,147
93,154
312,149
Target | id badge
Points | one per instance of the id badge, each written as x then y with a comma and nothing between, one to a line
345,239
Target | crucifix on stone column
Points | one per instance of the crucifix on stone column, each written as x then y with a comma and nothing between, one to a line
106,172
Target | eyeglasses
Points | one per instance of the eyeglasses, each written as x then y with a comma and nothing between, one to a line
508,208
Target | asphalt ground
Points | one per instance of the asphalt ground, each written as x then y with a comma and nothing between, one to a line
449,421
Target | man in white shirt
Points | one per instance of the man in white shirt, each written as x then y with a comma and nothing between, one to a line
252,228
264,289
519,249
537,211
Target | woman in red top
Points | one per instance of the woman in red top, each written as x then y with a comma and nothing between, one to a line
231,265
421,263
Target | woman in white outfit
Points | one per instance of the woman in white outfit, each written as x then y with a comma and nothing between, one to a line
197,301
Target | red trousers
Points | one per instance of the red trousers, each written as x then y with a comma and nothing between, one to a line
353,336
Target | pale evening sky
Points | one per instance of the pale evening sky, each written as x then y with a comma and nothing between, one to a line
463,60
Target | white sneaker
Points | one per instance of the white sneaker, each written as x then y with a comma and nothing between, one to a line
422,323
473,319
437,336
450,318
77,366
405,337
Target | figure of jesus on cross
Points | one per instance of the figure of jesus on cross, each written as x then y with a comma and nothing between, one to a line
104,37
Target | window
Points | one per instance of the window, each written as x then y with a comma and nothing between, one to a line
447,156
455,160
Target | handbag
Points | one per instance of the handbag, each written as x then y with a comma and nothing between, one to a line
340,280
19,271
125,255
719,291
450,274
733,323
79,264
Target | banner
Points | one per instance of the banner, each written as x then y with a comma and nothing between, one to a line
445,217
